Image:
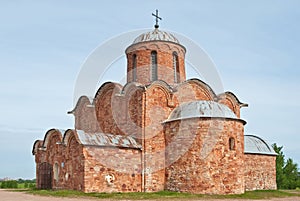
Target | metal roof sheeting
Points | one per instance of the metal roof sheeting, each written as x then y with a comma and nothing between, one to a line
102,139
201,109
256,145
156,35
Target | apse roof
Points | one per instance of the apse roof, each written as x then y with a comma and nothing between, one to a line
101,139
156,35
256,145
201,109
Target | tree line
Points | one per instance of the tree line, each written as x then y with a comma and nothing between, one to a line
20,183
287,172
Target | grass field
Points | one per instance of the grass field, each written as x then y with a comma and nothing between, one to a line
262,194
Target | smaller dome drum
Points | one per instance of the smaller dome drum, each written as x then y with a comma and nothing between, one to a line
156,55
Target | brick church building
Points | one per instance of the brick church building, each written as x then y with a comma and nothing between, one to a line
157,132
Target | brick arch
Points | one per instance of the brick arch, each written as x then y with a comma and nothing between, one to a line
230,100
74,164
85,116
80,102
177,50
166,46
143,47
131,109
166,88
36,145
72,141
194,89
153,46
131,86
68,135
107,86
108,97
51,134
159,94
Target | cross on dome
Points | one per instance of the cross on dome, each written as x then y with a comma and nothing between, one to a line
156,19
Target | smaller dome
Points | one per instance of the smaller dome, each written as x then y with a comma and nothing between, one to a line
256,145
156,35
201,109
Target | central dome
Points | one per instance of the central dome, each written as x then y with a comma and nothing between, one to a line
156,35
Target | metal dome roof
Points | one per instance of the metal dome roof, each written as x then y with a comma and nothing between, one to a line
156,35
256,145
201,109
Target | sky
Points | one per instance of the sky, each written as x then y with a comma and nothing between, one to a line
43,45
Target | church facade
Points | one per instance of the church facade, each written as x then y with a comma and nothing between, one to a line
157,132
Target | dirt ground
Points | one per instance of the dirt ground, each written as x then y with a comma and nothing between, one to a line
20,196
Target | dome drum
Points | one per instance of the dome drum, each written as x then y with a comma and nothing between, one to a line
156,55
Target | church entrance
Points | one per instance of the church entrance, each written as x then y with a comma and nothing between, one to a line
44,176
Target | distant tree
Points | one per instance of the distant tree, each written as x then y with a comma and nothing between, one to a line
290,171
32,185
279,165
14,184
3,184
287,175
298,183
9,184
20,180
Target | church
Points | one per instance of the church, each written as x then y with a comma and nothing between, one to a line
158,132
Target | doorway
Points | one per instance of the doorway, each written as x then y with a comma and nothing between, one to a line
44,176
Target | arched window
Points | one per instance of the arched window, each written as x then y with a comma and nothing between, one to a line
153,65
231,143
56,171
176,67
134,68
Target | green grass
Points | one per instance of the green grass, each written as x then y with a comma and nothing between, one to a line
165,195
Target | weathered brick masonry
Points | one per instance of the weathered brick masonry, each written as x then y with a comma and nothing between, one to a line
208,166
260,172
158,132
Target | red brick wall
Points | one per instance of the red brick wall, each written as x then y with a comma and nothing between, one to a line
203,161
84,168
71,175
230,102
85,116
192,90
260,172
164,61
156,111
51,157
108,106
123,164
120,112
69,160
132,104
